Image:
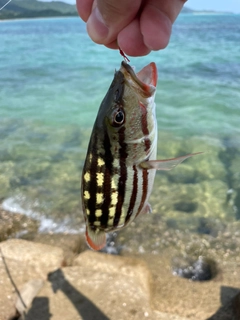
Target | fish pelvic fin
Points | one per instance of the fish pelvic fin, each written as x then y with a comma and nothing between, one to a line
96,239
167,164
146,209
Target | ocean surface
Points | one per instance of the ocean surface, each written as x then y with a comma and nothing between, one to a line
52,81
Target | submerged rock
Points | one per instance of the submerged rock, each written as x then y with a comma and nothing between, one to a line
6,174
205,199
202,269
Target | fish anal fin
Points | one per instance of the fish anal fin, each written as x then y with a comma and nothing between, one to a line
167,164
96,239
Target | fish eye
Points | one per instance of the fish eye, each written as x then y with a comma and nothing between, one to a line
118,118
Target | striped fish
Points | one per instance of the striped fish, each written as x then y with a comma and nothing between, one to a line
120,165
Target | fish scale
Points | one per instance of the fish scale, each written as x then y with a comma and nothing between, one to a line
120,165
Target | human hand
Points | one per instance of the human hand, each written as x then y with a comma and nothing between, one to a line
135,26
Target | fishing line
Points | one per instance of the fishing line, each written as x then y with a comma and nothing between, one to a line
5,4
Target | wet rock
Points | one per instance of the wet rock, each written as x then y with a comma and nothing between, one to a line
187,207
14,224
210,226
111,247
202,269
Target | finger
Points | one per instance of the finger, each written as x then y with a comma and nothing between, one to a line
156,22
130,40
112,45
155,27
84,8
109,18
171,8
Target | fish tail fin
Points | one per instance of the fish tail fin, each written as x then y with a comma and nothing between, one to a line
96,239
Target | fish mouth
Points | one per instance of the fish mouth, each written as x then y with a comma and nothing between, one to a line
145,79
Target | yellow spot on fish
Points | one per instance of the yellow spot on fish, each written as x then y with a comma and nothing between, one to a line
87,177
110,221
97,223
98,213
99,198
86,195
114,198
100,179
100,162
112,211
88,212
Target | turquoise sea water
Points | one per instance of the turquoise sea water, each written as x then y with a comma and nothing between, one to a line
52,80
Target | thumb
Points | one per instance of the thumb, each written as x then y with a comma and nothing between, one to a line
109,17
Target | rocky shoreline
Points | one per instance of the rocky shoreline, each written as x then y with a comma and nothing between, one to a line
58,277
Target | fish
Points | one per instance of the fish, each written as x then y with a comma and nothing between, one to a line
120,165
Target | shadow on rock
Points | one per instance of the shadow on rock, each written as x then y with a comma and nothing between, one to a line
86,309
230,301
39,310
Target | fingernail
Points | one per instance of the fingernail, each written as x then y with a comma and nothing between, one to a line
96,27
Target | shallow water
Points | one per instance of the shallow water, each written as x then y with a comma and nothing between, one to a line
52,80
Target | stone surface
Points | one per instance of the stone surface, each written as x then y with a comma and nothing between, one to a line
101,286
98,287
71,244
126,266
229,310
27,294
166,316
42,257
13,275
191,299
20,262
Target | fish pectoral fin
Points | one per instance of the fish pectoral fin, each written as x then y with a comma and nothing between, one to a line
96,239
167,164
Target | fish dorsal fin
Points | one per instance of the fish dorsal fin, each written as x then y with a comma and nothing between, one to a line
96,239
148,74
167,164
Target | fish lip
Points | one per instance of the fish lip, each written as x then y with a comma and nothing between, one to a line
133,75
147,89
